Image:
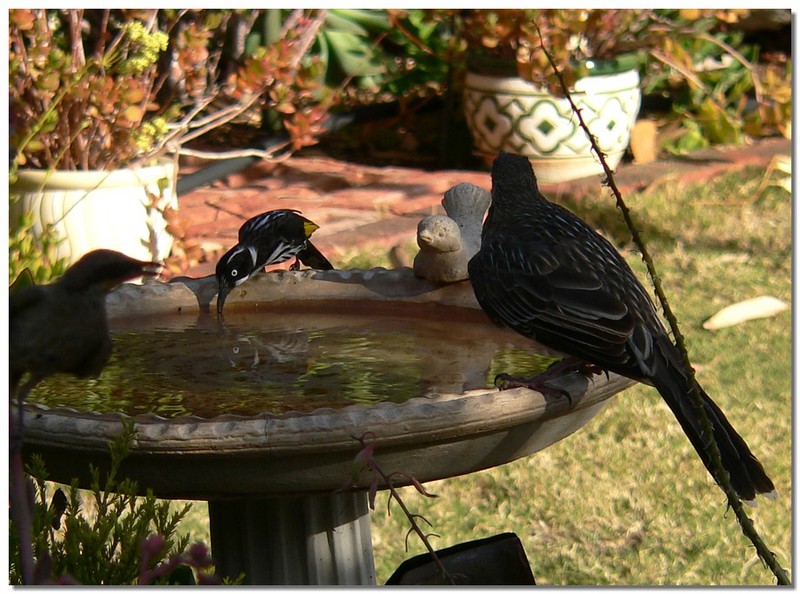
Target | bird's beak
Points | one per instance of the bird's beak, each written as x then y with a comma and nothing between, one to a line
425,237
222,294
135,269
151,268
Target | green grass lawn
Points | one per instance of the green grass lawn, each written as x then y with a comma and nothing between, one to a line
626,500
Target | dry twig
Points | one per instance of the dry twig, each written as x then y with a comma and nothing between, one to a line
749,530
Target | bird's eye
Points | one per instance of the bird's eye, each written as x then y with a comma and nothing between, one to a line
234,273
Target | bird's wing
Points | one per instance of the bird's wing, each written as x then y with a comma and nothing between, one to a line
24,298
544,291
251,225
274,218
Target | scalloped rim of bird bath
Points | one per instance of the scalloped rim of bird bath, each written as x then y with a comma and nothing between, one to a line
430,438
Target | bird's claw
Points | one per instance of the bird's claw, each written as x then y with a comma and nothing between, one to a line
504,381
590,369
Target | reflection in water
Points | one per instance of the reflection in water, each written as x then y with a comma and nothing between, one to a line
285,360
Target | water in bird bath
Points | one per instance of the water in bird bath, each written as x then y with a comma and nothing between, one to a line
299,356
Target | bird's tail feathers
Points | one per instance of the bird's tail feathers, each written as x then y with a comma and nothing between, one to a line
313,258
747,475
467,200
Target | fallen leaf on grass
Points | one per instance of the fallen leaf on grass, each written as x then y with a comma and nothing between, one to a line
749,309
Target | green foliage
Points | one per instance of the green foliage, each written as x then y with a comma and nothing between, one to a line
423,44
711,75
379,55
34,252
103,539
346,46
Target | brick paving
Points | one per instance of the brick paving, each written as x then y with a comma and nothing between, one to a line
360,206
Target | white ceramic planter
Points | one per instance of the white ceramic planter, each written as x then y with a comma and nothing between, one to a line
121,210
517,116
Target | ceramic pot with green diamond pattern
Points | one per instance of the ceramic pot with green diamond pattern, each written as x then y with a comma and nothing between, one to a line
517,116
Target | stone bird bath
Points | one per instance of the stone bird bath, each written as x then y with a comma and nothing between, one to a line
273,479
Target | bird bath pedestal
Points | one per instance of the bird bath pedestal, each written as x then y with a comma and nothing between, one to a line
274,481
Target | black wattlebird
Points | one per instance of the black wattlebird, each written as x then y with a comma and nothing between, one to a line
546,274
62,327
58,328
269,238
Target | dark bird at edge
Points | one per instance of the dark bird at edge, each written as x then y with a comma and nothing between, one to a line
269,238
546,274
62,327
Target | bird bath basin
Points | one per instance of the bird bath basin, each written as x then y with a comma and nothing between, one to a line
293,357
258,413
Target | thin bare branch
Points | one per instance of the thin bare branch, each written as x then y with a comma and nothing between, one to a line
412,518
224,155
746,524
